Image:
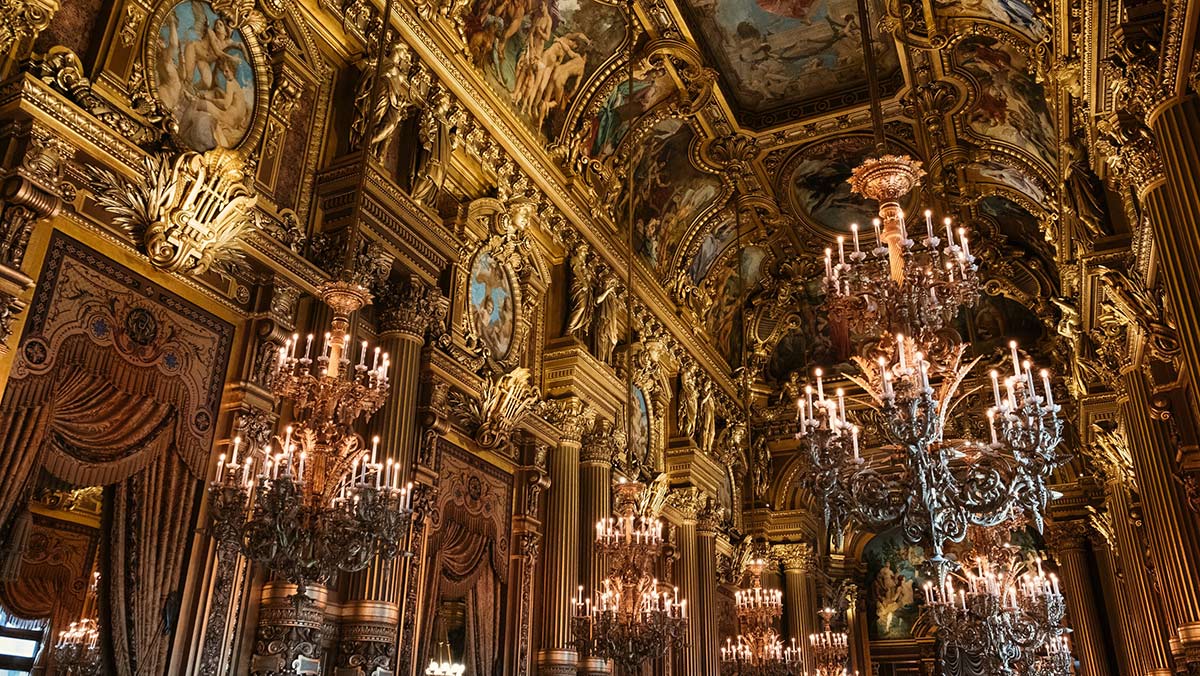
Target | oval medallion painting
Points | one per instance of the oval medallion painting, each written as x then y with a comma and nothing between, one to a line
492,304
203,76
640,429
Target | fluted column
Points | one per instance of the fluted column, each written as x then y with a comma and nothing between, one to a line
595,489
557,654
800,595
1176,128
1068,542
707,525
1116,607
1146,628
371,616
688,504
1171,528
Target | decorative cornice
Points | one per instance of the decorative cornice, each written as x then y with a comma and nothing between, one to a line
1066,536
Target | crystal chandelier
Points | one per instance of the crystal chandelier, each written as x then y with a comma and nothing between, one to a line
758,650
931,485
831,649
632,617
77,652
1005,611
319,502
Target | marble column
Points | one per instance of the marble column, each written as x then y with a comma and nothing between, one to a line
1172,529
595,488
707,524
688,502
800,603
1068,541
1145,627
1175,125
560,578
1116,607
371,615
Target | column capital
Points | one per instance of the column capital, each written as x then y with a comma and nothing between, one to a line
688,501
795,556
1066,536
409,306
570,415
708,520
601,443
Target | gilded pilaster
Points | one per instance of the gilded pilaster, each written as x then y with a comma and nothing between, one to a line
688,502
800,594
708,523
1116,606
560,578
1069,542
595,504
1171,528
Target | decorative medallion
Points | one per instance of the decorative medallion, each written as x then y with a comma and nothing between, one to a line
208,74
492,312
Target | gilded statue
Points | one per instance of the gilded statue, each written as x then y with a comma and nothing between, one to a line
583,278
689,401
1084,194
708,417
606,330
791,390
382,108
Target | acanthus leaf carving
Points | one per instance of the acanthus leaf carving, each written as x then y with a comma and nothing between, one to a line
189,211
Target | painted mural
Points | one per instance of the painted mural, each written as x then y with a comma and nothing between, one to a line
1013,220
492,314
894,578
819,190
612,120
670,194
892,584
1014,13
991,170
204,77
640,429
730,292
711,247
773,52
1011,105
538,53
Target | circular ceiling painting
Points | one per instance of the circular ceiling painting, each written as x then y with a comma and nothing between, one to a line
815,180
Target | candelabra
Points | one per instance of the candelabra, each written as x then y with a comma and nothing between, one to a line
322,502
830,649
1003,612
904,297
77,652
632,617
758,650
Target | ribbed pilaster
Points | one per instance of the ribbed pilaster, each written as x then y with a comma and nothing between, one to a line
707,603
1069,543
595,504
800,596
1116,608
561,570
1176,128
689,588
1146,628
1171,528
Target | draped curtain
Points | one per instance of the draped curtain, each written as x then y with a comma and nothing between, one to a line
114,427
463,559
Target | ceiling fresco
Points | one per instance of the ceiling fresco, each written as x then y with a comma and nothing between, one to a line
539,53
1012,13
730,290
996,172
774,54
1011,105
611,121
670,191
711,247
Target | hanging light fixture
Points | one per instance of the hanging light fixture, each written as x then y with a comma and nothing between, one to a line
319,500
758,649
830,649
442,663
77,652
905,293
631,617
1003,610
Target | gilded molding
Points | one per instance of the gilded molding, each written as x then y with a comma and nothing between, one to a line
21,21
